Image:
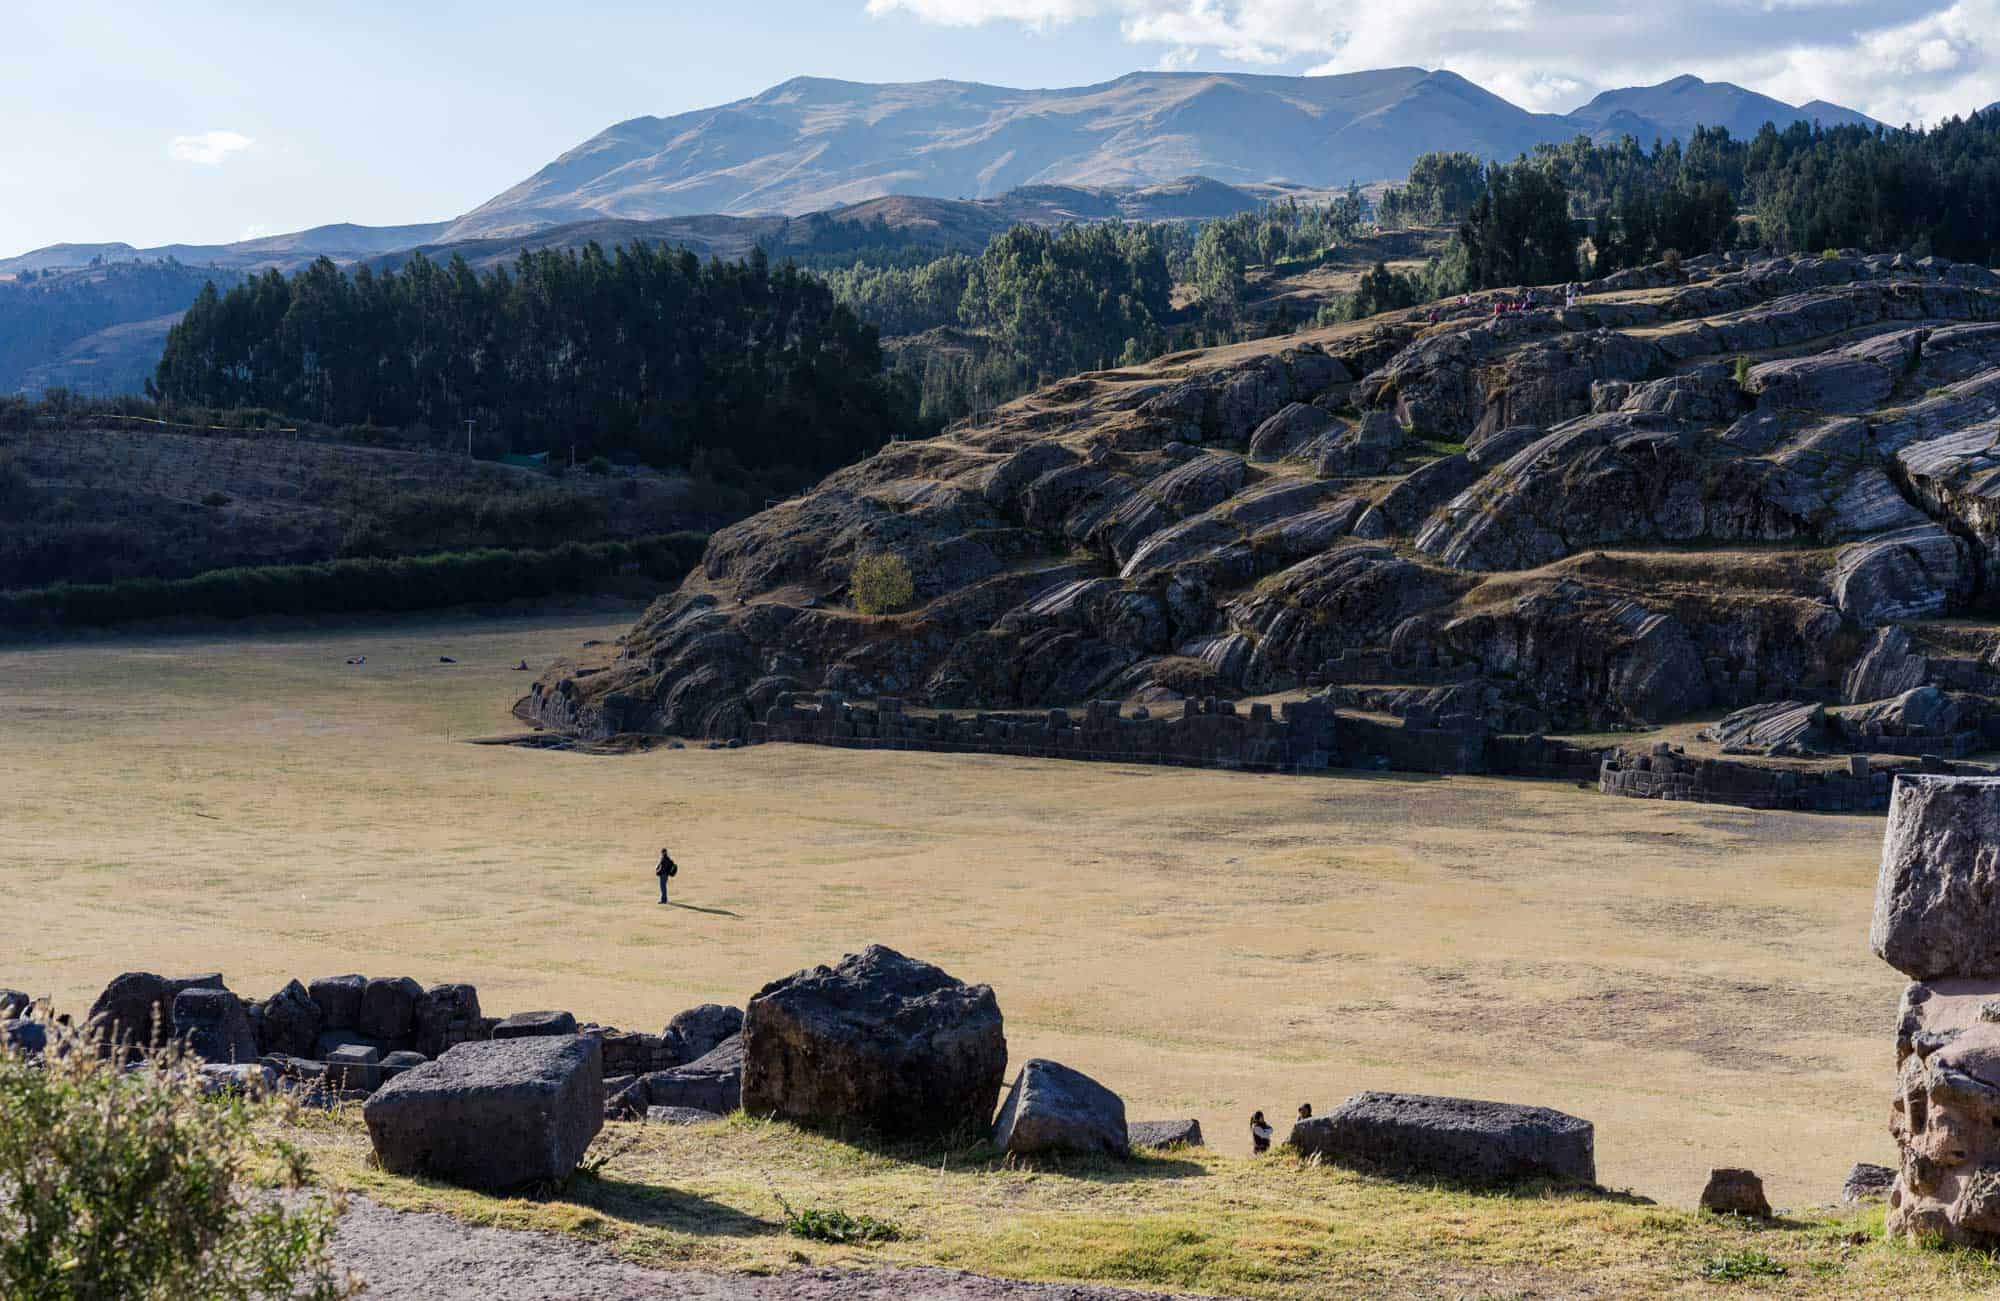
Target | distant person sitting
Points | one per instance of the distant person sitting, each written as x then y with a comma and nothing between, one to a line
1260,1133
666,868
522,667
1305,1111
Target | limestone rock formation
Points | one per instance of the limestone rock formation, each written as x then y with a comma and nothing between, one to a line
1583,517
492,1116
879,1038
1053,1108
1458,1139
1937,902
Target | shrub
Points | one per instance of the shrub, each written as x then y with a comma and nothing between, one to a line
132,1184
881,584
836,1225
1741,1266
597,465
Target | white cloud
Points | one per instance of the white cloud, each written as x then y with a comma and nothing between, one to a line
210,148
1898,60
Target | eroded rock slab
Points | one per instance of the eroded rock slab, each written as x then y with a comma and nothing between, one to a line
1459,1139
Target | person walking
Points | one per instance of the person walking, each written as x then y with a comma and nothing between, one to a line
1260,1134
667,867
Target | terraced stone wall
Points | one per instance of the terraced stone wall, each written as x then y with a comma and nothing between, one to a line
1663,773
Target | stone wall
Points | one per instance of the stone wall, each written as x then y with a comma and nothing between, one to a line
1297,736
1664,773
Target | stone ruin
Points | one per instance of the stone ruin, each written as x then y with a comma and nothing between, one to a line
1937,920
1307,735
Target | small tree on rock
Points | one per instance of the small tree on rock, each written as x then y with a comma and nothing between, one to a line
881,583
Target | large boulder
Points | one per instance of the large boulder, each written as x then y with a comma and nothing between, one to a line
214,1025
388,1008
445,1015
339,999
1458,1139
288,1022
883,1039
493,1115
1937,900
1054,1108
695,1033
137,1007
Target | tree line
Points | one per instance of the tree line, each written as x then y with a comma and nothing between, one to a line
721,368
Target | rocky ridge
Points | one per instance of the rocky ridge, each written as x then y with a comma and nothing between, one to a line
1738,480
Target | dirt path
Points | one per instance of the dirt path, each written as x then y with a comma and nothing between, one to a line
407,1255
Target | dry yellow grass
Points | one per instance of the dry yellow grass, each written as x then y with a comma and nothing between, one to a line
1694,980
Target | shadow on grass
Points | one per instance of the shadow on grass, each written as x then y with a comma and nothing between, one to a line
712,912
965,1149
1524,1189
662,1207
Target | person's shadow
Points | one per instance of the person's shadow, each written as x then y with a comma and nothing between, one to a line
713,912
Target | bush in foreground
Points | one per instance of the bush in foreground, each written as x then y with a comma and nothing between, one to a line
130,1183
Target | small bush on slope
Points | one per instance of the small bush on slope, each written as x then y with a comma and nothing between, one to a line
129,1183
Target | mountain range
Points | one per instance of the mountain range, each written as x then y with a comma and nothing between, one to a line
813,143
815,166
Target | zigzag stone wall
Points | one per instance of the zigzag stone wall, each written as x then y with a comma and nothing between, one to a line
1299,736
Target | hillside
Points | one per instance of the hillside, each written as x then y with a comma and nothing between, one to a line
1693,490
813,143
95,502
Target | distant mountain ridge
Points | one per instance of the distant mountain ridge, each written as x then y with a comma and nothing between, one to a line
813,143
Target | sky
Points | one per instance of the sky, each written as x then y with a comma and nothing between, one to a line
206,121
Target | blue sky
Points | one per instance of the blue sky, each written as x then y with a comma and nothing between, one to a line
181,121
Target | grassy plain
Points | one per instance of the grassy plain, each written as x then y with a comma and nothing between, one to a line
1694,980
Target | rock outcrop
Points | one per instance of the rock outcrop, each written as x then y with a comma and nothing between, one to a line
1937,921
880,1039
1586,517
